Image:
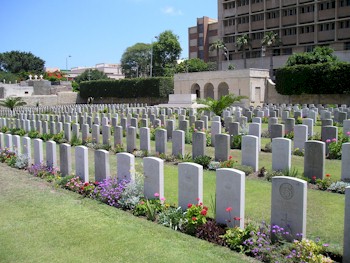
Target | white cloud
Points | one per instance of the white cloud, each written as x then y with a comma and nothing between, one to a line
169,10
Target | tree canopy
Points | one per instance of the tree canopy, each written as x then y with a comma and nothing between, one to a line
166,52
12,102
17,62
136,59
93,74
217,45
193,65
318,55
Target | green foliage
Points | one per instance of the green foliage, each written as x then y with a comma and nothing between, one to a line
17,61
318,56
172,217
128,88
242,43
219,105
135,60
307,250
338,187
195,215
166,52
237,141
12,102
217,45
89,75
75,141
8,76
325,78
192,65
203,160
234,237
33,134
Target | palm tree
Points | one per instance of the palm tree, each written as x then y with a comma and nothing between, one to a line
219,105
12,102
270,39
217,45
243,42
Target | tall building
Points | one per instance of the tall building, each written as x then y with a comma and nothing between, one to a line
200,37
300,24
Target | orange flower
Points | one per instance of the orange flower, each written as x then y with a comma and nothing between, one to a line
328,175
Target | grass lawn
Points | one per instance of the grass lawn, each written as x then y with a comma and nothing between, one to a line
41,224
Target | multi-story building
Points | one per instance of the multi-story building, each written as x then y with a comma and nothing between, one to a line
300,24
113,71
200,37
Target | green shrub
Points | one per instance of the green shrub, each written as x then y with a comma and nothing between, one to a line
325,78
128,88
203,160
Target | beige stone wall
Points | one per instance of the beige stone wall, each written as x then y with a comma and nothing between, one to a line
245,82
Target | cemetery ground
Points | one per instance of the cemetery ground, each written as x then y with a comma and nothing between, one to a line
40,223
324,209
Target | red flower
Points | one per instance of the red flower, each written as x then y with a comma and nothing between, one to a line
204,212
189,205
328,175
314,178
200,203
198,199
96,183
86,184
194,218
228,209
230,157
205,208
236,218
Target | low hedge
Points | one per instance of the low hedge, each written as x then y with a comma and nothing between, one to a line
128,88
326,78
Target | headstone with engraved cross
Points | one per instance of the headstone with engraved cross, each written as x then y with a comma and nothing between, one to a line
288,206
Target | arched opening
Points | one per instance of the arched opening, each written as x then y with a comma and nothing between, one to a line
222,89
195,89
209,91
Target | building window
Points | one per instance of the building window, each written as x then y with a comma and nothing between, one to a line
201,54
243,20
242,2
287,51
290,12
273,15
344,3
327,5
200,28
306,9
229,5
289,31
326,27
347,45
306,29
229,39
308,48
200,41
229,22
257,17
344,24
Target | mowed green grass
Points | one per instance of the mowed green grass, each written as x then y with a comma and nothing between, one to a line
39,223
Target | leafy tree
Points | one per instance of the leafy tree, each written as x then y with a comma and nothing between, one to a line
318,55
219,105
16,62
166,52
93,74
269,40
192,65
217,45
12,102
135,60
243,42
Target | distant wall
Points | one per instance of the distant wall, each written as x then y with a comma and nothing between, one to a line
51,100
274,97
150,101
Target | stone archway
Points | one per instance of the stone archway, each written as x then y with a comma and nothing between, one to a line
223,89
195,89
209,91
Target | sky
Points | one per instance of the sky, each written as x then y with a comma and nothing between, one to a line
94,31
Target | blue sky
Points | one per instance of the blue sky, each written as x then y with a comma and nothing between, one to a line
93,31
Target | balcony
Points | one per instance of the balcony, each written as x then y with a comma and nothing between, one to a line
256,7
343,11
229,12
289,20
289,2
270,4
229,30
326,14
257,25
242,9
325,35
271,23
243,27
344,33
306,18
289,40
306,38
256,43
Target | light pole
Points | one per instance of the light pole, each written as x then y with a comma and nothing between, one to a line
67,62
226,55
151,68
